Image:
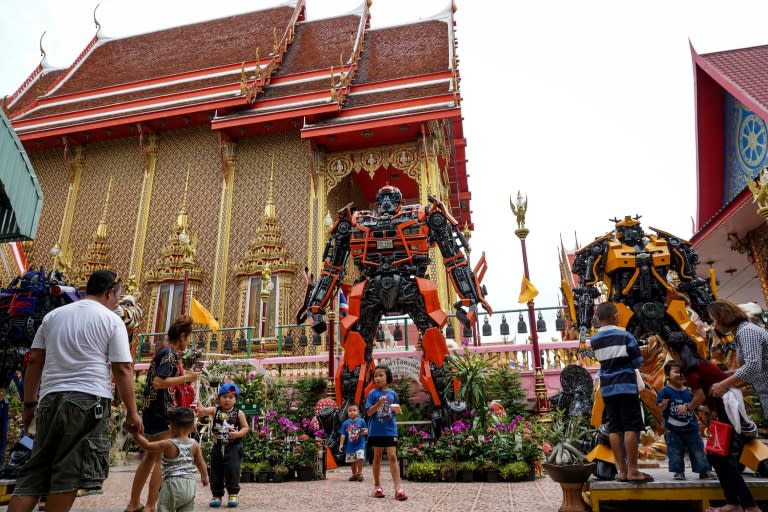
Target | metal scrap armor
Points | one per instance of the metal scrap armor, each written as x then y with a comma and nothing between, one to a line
390,247
648,277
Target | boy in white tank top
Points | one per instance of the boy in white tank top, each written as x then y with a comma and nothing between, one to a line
181,455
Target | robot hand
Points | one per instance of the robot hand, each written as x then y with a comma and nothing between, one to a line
318,321
466,316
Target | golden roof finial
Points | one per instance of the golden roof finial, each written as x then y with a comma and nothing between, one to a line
95,21
269,209
101,231
257,69
274,36
243,80
42,52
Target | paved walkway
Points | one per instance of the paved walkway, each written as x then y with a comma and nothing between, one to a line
336,493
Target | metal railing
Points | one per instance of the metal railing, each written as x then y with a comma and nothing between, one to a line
298,342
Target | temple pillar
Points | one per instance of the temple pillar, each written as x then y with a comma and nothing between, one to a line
429,184
75,162
148,144
758,241
221,262
321,202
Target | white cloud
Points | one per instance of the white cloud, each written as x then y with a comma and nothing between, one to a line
585,106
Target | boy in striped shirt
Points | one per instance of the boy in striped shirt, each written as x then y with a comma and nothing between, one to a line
619,356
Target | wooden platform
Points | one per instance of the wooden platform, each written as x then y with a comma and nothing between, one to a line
6,490
665,488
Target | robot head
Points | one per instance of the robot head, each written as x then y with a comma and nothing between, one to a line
628,231
389,200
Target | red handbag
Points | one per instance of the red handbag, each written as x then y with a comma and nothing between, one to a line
719,439
182,395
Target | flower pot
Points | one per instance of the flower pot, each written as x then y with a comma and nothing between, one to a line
305,474
246,476
492,475
571,478
449,475
262,477
465,475
278,478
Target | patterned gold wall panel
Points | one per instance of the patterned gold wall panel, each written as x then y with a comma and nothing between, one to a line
121,160
52,175
292,184
347,191
198,148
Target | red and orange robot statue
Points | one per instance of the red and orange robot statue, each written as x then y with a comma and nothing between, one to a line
390,247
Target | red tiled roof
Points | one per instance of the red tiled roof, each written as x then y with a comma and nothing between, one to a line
176,50
319,44
46,78
407,50
357,100
119,99
745,68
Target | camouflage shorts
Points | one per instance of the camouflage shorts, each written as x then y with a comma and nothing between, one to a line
71,449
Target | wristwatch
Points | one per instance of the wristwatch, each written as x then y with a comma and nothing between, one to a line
30,405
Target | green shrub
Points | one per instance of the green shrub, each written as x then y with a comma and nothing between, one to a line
466,465
504,385
515,471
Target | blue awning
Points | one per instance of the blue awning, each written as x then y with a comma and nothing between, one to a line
21,198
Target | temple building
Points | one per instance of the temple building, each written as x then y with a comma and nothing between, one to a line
210,159
731,94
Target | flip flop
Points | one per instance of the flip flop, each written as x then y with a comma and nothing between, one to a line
621,479
378,492
646,478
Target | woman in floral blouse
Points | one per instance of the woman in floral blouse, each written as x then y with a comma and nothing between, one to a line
165,374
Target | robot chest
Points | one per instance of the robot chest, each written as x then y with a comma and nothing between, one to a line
402,240
622,257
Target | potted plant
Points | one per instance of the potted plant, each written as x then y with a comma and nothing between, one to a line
448,471
262,472
246,471
305,458
465,470
279,473
566,464
491,469
517,471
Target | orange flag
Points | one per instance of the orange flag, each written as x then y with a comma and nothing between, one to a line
200,315
527,291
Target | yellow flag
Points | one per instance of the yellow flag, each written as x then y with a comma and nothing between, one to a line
200,315
527,291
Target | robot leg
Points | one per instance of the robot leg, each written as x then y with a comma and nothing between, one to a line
354,371
601,451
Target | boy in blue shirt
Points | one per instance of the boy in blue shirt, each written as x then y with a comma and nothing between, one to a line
352,442
682,430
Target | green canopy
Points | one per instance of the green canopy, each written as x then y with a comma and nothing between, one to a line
21,198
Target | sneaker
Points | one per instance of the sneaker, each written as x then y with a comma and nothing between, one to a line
233,501
679,476
215,503
707,475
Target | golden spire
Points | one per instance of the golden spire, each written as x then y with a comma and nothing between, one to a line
101,231
269,209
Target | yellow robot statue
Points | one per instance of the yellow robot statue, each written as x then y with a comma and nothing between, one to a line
651,277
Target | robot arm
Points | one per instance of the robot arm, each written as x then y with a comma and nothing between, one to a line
334,264
683,260
450,241
588,265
